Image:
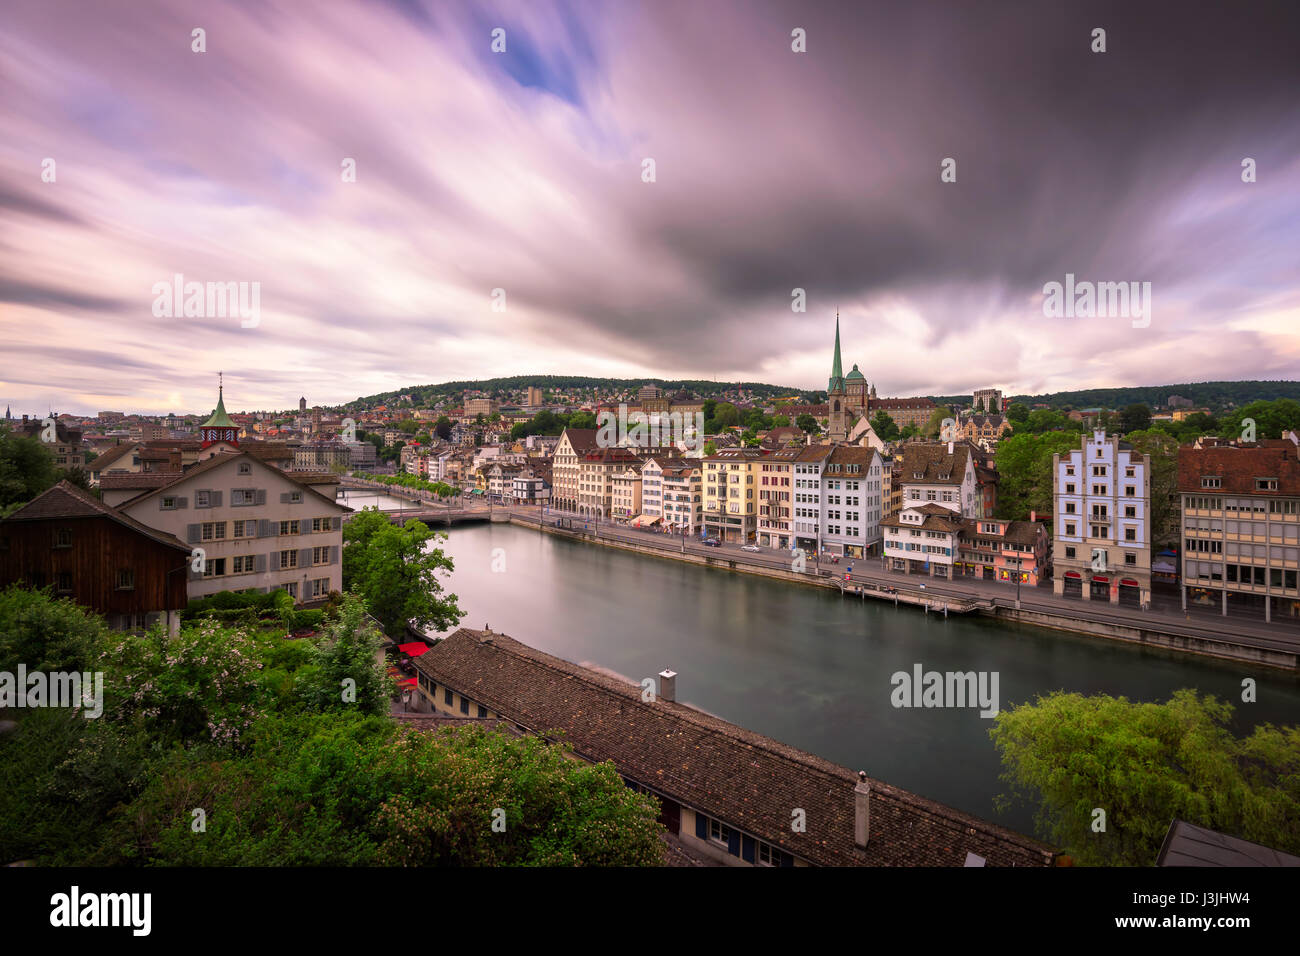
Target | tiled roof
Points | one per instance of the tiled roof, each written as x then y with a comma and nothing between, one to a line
1017,532
66,500
845,455
933,461
887,403
426,722
744,779
1237,467
111,456
138,481
937,518
203,467
582,439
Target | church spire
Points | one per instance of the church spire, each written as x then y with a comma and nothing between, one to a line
837,373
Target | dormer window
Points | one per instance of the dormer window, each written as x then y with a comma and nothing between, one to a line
245,468
1211,481
1266,484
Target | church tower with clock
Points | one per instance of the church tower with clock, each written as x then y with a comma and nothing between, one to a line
219,428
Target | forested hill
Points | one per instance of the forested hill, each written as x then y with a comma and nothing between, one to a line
1213,395
425,394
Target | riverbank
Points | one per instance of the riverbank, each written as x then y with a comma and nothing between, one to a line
945,597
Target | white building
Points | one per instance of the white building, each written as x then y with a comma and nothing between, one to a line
806,500
683,498
257,527
922,539
943,474
850,504
1102,508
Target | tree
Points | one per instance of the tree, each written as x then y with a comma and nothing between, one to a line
1025,472
1146,764
726,414
393,572
710,448
410,426
1135,418
26,468
1017,414
442,427
582,420
348,651
1166,512
807,423
884,426
780,421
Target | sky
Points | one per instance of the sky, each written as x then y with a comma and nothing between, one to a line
524,171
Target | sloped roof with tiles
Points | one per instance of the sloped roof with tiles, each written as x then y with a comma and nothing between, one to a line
741,778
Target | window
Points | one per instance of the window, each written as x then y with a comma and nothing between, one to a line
1130,511
446,696
214,530
1266,484
1069,507
245,468
243,564
169,503
1069,551
482,711
1130,558
63,538
1130,534
288,527
241,526
288,559
201,499
464,704
214,567
126,579
295,497
292,589
1069,529
242,496
1069,489
719,833
1211,482
65,582
320,587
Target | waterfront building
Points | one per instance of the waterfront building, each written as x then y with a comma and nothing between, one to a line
683,499
1241,527
70,541
731,494
994,549
652,489
850,505
775,496
575,443
806,503
726,793
922,539
1101,496
625,494
940,473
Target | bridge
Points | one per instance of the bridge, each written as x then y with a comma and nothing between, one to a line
425,506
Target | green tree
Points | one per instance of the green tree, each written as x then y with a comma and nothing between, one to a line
710,448
46,633
937,416
807,423
1017,414
726,414
582,420
1166,512
348,651
884,426
26,468
1146,764
1025,472
442,427
780,421
397,575
1135,418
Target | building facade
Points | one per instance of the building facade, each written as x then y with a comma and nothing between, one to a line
1101,507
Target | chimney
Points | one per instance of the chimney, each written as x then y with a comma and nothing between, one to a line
668,685
174,459
862,811
1033,516
950,448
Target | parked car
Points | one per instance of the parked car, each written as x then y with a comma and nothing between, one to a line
713,542
751,547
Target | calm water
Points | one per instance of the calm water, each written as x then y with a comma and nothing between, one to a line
810,668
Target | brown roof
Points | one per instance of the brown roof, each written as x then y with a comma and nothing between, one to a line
887,403
814,452
937,518
111,456
203,467
744,779
138,481
845,455
582,439
932,461
66,500
1017,532
267,450
1237,467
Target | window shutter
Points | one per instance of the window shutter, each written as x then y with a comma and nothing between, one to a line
284,497
266,528
182,502
334,554
261,496
192,574
701,826
338,522
259,563
733,843
215,498
304,557
747,849
787,859
250,529
192,532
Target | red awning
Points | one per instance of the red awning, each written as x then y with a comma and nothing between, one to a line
1129,582
409,680
1101,580
1072,574
414,649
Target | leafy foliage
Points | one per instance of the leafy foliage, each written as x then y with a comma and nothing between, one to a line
1146,764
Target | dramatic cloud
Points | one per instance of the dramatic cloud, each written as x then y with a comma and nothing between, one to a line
522,171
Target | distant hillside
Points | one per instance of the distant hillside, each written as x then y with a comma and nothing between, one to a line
422,395
1216,396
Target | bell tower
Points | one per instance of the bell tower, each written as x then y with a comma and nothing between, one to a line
837,428
219,427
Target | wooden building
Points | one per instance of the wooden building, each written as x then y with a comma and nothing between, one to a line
69,541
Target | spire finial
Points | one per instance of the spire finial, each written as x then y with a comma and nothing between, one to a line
220,384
